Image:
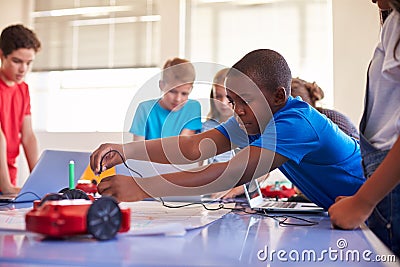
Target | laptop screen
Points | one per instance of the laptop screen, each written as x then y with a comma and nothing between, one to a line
51,173
256,201
253,193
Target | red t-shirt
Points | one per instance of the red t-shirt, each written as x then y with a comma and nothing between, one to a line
14,106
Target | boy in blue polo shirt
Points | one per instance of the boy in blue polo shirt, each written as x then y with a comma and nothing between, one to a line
173,113
273,129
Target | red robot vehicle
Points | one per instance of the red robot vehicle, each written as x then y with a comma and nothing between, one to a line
73,212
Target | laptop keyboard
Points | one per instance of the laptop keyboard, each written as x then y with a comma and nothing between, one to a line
279,204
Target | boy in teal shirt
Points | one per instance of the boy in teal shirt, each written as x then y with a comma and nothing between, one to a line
173,113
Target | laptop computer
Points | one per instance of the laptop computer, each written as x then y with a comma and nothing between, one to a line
257,202
50,175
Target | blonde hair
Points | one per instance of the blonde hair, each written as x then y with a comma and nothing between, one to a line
219,79
178,69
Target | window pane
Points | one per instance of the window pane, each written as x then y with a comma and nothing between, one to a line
224,31
97,34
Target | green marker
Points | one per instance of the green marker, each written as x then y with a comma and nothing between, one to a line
71,174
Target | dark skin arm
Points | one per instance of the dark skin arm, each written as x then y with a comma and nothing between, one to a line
351,212
172,150
249,163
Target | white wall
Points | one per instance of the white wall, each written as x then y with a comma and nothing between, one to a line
170,30
355,34
14,12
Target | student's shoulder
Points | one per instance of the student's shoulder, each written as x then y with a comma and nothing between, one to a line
22,89
294,107
392,21
297,114
192,104
297,103
23,86
148,103
209,124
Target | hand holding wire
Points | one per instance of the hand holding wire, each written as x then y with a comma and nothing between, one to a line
105,157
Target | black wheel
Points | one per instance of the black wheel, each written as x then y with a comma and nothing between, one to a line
75,194
62,191
104,218
51,196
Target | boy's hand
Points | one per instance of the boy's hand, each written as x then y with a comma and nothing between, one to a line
106,156
234,192
123,188
349,212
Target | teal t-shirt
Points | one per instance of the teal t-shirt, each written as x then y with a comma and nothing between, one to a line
153,121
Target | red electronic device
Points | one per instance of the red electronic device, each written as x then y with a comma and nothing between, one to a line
90,187
57,215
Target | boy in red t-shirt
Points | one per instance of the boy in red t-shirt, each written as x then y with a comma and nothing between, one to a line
18,47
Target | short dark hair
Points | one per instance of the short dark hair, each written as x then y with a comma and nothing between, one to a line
18,36
267,69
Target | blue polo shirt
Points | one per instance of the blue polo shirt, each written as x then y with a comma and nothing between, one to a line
323,162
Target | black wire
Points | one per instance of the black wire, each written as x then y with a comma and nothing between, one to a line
33,193
282,222
15,200
221,205
286,217
123,161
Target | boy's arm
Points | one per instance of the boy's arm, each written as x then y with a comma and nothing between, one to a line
350,212
29,142
384,179
5,183
251,162
176,150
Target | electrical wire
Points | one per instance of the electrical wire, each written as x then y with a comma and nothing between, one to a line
123,161
281,222
220,205
16,201
287,217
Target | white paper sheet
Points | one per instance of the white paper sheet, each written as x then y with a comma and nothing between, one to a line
13,219
147,217
151,217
